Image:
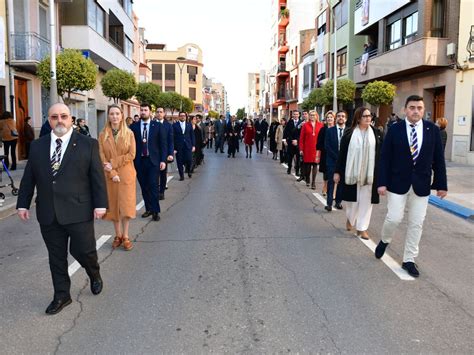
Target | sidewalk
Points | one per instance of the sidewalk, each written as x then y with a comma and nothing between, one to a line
460,199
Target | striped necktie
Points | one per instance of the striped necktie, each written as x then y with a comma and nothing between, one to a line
56,158
414,143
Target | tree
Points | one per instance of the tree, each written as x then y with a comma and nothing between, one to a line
148,92
173,101
240,113
188,104
379,93
345,90
118,85
74,72
317,97
213,114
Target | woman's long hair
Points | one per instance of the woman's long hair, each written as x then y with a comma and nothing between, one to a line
358,116
124,132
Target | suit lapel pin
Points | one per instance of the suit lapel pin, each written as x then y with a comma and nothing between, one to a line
73,144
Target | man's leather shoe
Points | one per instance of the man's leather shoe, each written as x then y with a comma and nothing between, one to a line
162,197
380,250
181,178
411,268
96,285
301,178
146,214
156,216
338,206
190,175
328,208
57,305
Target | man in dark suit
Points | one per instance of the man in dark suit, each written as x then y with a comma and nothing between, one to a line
66,170
411,150
168,129
232,133
219,132
332,142
45,128
150,159
291,136
261,128
184,144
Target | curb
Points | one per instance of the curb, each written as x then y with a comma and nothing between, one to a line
7,210
452,207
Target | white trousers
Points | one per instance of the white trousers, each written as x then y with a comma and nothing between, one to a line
358,213
416,208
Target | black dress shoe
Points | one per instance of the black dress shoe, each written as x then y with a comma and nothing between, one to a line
181,178
96,285
380,250
156,216
338,206
57,305
411,268
328,208
190,175
301,178
162,197
146,214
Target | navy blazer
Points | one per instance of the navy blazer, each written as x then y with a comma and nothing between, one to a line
397,171
157,142
183,141
331,145
168,128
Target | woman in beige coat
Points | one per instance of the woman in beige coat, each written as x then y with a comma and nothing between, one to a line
117,151
279,139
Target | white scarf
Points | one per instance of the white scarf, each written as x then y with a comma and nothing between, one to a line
360,163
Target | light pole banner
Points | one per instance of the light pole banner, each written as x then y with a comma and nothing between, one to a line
2,48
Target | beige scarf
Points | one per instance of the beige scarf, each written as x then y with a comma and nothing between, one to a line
360,163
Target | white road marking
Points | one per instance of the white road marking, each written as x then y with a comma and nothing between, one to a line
320,198
75,265
285,165
142,203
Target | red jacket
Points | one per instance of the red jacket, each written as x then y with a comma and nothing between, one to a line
308,141
249,135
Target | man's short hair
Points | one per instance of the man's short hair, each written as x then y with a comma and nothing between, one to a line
412,98
341,111
145,104
199,116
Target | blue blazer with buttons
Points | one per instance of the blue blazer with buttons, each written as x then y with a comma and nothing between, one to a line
183,142
157,143
397,170
331,145
168,128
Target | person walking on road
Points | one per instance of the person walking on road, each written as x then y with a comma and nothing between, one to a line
232,133
117,151
9,139
291,135
168,130
272,137
66,170
412,150
307,145
357,169
198,155
332,142
150,159
328,123
249,138
279,139
184,145
261,128
219,131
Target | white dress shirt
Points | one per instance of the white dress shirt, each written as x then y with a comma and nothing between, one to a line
147,128
419,132
65,142
183,126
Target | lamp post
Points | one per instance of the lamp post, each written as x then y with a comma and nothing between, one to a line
334,99
181,65
53,91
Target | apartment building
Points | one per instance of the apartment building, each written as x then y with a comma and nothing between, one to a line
253,105
413,46
5,104
180,70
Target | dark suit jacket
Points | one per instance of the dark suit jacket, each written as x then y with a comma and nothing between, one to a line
45,129
397,171
290,133
262,127
331,145
219,127
168,128
78,187
183,142
157,143
235,129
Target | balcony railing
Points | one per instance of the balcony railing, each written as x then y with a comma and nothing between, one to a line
372,53
29,46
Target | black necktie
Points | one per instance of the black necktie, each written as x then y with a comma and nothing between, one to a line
56,158
340,133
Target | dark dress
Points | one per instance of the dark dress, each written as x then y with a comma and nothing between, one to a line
271,134
320,147
198,156
444,138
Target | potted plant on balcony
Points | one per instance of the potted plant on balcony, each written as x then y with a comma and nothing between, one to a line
285,13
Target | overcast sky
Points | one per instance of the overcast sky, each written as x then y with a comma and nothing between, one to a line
233,35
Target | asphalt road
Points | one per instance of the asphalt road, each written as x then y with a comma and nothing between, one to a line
244,260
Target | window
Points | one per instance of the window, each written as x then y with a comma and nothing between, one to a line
192,72
95,17
170,72
116,34
394,35
156,72
127,6
43,22
411,28
169,88
307,74
322,23
128,48
437,18
342,62
322,65
341,11
192,93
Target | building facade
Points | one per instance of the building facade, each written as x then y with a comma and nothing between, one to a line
253,90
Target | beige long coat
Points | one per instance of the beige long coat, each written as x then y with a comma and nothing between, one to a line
122,196
279,137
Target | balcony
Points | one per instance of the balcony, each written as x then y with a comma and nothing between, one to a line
420,55
283,17
282,45
282,72
29,48
102,52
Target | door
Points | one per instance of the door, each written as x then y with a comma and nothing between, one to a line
21,112
438,104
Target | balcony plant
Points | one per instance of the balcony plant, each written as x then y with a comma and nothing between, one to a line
285,13
148,92
118,85
74,73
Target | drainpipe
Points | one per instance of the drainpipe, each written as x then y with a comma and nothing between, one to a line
11,44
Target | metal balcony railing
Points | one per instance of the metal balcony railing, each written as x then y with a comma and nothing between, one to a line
372,53
29,46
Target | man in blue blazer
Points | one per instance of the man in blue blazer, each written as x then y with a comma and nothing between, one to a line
411,150
184,144
332,142
219,131
168,129
150,159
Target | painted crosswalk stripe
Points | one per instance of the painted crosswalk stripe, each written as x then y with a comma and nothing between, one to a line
75,265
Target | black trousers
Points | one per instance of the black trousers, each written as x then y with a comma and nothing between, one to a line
259,143
209,143
282,156
293,154
7,147
163,179
82,246
232,145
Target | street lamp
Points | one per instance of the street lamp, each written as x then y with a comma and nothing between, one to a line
181,65
334,99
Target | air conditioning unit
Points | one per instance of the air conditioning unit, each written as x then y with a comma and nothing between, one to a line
451,49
